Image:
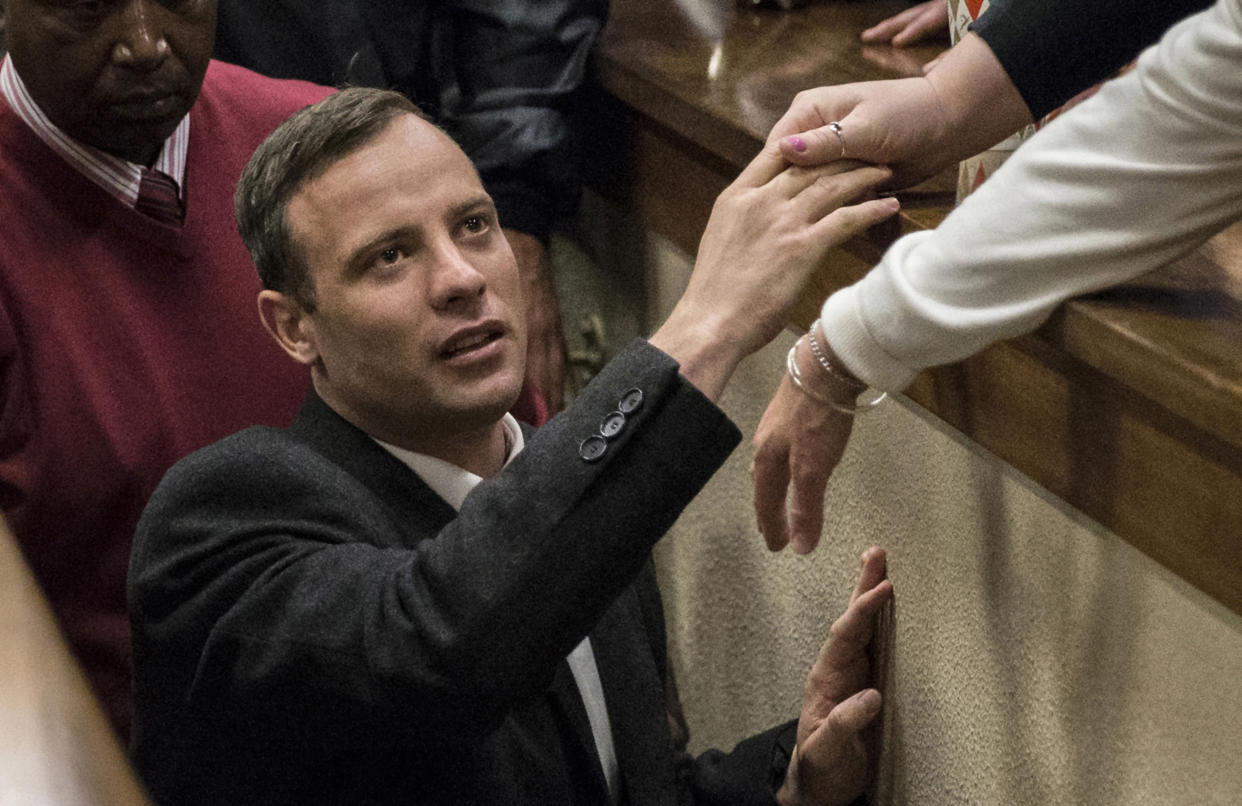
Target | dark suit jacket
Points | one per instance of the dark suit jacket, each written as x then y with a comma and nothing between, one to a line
312,624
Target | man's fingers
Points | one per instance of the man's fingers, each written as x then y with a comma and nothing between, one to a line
795,179
828,193
845,721
817,190
856,712
769,162
872,571
855,626
844,223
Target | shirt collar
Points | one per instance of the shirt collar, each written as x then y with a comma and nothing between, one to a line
446,479
120,178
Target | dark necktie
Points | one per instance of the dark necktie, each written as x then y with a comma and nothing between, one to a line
158,198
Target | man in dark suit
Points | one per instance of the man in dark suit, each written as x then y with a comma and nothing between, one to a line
405,597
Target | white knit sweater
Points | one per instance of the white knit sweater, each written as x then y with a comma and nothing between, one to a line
1135,177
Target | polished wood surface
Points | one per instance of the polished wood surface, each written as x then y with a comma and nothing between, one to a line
56,746
1126,404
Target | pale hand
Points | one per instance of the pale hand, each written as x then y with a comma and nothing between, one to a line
898,122
917,126
799,442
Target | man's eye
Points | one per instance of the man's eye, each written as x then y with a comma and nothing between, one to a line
475,223
386,261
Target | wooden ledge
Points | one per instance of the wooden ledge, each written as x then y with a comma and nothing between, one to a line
1127,404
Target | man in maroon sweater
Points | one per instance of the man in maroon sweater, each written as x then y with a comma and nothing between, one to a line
127,329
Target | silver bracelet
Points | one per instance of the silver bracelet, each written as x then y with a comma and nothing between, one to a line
818,352
795,375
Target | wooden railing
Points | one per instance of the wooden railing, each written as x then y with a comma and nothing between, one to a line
1127,405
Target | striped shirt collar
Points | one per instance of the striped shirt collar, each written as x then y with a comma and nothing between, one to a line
118,177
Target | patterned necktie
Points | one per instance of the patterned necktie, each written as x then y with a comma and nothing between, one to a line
158,198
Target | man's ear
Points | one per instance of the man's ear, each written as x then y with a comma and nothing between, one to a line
290,325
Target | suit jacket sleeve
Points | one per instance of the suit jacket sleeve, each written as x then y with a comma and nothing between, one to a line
265,577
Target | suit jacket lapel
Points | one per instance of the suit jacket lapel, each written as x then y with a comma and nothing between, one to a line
417,509
420,513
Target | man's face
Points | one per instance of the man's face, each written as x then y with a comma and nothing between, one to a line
419,322
116,74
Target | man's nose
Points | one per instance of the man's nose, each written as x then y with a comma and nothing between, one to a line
455,281
140,42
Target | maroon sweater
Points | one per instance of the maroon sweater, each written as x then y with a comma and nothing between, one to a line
125,345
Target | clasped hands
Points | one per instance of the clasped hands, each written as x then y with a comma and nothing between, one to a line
917,127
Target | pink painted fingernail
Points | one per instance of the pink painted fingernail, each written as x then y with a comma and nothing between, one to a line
798,143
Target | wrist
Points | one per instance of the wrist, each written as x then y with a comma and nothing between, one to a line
831,368
706,358
820,373
979,104
816,371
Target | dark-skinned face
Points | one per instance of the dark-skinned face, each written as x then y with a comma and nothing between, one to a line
115,74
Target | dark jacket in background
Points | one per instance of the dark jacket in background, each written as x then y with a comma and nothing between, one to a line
498,75
1054,49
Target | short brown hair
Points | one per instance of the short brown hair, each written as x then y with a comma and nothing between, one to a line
300,149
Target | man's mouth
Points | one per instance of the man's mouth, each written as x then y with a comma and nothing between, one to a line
470,341
156,97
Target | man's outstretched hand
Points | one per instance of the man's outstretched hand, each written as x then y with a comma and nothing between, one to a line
830,764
